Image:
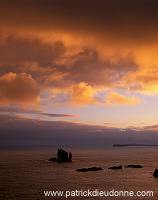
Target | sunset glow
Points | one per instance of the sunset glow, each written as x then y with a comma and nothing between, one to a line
90,64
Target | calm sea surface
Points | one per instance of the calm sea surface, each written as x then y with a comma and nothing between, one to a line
26,174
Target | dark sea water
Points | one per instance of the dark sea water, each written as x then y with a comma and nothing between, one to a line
26,173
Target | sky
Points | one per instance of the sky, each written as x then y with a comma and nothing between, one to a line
79,72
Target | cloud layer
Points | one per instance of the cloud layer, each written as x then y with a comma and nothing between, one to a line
74,54
106,44
114,98
14,128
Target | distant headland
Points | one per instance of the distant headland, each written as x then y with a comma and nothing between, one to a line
126,145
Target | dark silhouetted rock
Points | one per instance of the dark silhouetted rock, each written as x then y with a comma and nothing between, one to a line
155,174
89,169
70,157
53,159
115,167
62,156
134,166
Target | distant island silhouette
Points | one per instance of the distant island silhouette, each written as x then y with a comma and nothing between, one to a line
126,145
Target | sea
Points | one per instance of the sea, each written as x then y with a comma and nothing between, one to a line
27,174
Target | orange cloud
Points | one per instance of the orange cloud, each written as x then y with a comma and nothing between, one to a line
83,94
97,49
114,98
144,80
18,89
60,61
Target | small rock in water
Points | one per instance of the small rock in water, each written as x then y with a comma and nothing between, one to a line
155,174
134,166
89,169
115,167
53,159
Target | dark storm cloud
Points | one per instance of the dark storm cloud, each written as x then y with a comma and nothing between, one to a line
136,19
15,52
69,133
62,44
48,64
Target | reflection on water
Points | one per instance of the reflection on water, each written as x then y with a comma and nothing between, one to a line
25,174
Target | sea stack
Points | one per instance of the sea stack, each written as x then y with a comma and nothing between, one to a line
62,156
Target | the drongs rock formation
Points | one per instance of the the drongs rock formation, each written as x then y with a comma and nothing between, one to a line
62,156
